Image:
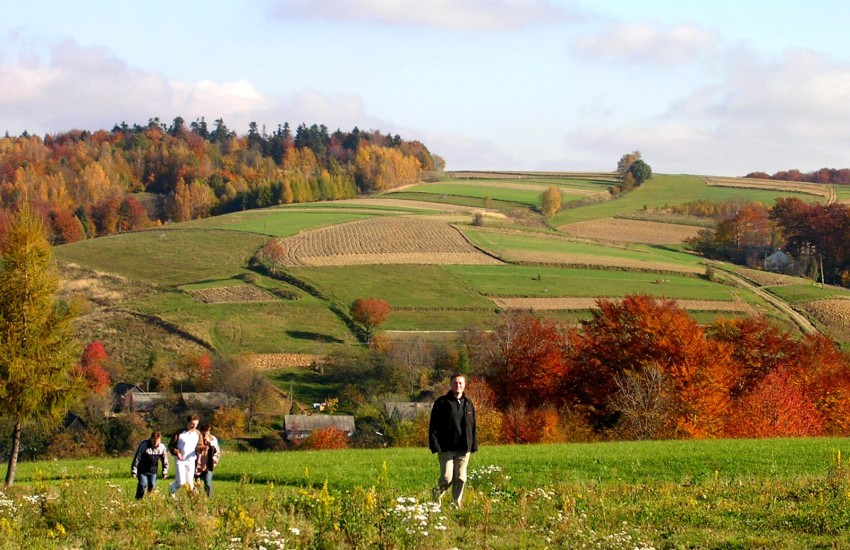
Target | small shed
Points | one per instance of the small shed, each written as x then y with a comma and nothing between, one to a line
122,393
299,426
406,410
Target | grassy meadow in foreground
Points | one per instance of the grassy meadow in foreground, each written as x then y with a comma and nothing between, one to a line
781,493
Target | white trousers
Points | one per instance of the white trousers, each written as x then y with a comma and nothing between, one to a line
184,473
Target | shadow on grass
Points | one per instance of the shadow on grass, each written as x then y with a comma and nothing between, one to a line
313,336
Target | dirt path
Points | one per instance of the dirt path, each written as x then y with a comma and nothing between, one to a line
801,321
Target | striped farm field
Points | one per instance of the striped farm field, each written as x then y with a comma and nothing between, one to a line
389,240
631,231
500,192
786,187
517,281
548,304
543,249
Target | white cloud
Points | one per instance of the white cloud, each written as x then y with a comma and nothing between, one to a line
647,43
88,88
764,114
441,14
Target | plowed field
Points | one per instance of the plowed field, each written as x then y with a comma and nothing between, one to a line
231,294
631,231
398,240
834,315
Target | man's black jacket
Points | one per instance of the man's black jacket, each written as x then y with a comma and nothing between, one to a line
443,433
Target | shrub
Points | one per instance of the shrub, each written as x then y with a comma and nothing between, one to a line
325,439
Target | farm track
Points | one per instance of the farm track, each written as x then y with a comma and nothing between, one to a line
799,319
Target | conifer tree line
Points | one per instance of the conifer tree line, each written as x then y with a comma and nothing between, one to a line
89,184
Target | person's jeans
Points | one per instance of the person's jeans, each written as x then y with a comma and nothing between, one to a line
184,473
147,483
452,474
206,477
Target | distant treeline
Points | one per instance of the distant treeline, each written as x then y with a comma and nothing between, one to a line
838,176
90,184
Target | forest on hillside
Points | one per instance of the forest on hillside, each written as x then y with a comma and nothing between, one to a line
89,184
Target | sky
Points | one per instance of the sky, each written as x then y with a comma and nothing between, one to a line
715,88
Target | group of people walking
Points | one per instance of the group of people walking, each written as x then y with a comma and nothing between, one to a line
452,431
196,454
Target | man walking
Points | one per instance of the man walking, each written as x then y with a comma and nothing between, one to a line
184,447
453,436
146,462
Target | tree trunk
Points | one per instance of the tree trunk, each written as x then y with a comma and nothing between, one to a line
13,454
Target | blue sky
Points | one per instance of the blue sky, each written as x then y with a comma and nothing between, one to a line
721,88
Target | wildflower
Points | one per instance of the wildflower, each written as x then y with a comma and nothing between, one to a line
295,531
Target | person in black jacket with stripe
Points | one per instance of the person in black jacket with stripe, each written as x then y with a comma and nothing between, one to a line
145,463
453,436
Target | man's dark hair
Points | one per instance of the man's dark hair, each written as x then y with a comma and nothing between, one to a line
155,435
204,428
192,417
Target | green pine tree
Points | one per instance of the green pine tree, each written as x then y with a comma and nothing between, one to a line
38,352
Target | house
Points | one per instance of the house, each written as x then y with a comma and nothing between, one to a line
142,402
209,401
778,262
73,423
122,394
299,426
405,410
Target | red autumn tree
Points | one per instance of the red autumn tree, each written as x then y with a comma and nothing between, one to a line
525,359
325,439
776,407
92,364
823,372
627,336
758,347
370,313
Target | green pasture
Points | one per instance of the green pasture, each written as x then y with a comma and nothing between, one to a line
281,222
166,256
504,243
441,319
747,494
505,194
403,286
550,282
842,192
798,294
565,184
306,385
413,470
765,196
299,326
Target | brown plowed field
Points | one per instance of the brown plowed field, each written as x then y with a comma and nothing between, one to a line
766,278
272,361
589,260
631,231
834,315
231,294
540,304
391,240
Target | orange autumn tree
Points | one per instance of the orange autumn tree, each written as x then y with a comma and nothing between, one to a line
525,360
370,313
823,372
640,331
776,407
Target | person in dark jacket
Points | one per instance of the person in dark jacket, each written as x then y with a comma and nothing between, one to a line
453,436
146,461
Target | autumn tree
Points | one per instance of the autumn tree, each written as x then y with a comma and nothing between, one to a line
370,313
640,171
626,162
525,360
92,364
38,352
550,201
630,335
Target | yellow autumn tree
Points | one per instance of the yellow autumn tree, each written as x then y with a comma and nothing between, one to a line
550,201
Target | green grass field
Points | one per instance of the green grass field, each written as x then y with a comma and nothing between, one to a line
526,281
774,493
